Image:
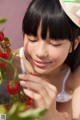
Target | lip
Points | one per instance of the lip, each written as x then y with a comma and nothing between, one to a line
41,63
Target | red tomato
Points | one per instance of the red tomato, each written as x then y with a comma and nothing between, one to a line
34,74
1,36
29,101
13,87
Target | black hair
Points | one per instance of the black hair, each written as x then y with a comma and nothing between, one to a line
53,19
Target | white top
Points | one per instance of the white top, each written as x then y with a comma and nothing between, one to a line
62,96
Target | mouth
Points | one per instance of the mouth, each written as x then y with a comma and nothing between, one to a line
41,63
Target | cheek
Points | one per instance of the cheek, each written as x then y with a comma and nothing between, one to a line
27,47
26,51
59,55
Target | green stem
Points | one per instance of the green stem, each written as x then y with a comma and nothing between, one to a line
3,74
13,67
1,79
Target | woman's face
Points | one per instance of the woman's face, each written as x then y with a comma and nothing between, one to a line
45,55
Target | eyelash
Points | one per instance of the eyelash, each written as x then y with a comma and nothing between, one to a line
56,45
32,40
49,43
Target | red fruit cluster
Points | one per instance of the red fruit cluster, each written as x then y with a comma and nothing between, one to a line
13,87
5,50
6,54
27,102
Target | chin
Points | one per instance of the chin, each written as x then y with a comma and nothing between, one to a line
41,71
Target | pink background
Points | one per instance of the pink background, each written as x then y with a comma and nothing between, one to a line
14,11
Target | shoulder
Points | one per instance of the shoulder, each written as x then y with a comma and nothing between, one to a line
76,93
76,77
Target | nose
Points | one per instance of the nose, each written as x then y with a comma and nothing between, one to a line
42,50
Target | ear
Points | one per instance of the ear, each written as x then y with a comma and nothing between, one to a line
77,42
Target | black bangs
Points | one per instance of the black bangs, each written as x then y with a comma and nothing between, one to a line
52,18
57,24
32,18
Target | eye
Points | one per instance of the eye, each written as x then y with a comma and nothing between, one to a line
55,45
32,40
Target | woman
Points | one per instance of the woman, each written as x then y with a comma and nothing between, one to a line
50,60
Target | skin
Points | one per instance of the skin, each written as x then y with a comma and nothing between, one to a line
43,89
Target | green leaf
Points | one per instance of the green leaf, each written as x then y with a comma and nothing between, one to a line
3,20
32,114
72,1
16,108
15,113
12,113
21,107
2,109
13,109
6,39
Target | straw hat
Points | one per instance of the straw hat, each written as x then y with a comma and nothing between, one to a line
72,9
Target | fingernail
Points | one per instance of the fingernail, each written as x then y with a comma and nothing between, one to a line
22,83
20,76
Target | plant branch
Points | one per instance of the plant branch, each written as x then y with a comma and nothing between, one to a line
13,67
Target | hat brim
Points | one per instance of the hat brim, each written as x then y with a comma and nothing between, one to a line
72,9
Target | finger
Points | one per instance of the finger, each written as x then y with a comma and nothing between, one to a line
51,91
46,90
28,77
38,101
35,79
38,88
31,94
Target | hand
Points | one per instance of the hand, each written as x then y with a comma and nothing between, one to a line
42,92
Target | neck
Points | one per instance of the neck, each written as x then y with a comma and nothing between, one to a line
56,75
